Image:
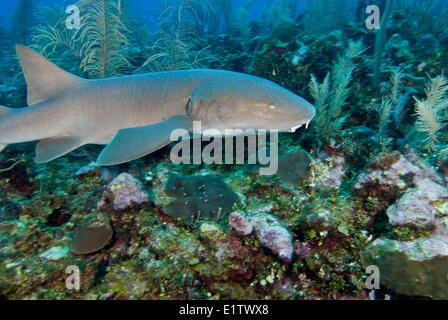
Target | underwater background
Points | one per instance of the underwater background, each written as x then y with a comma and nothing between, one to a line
364,186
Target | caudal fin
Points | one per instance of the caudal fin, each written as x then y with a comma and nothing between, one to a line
44,78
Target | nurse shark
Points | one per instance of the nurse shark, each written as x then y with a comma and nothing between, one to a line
135,115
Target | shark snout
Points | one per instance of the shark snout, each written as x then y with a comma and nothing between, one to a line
311,113
301,115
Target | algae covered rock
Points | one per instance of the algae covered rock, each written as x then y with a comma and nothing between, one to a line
327,173
268,230
273,235
415,268
391,173
418,267
122,193
417,207
240,222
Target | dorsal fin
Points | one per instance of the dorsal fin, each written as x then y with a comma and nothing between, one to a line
44,78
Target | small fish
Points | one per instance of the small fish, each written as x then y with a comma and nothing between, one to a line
135,115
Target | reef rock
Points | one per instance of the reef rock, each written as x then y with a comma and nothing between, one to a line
9,210
442,163
389,174
327,173
415,268
417,207
241,223
123,192
268,231
418,267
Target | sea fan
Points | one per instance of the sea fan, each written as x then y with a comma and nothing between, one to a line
103,39
430,111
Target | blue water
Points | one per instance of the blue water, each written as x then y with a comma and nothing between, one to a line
8,7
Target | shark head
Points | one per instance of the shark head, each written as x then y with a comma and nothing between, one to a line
249,103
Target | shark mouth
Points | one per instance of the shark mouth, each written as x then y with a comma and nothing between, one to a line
295,128
299,126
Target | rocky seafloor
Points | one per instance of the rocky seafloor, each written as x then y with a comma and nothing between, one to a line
153,230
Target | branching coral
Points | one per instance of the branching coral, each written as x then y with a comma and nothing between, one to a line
384,111
103,39
330,98
391,108
431,112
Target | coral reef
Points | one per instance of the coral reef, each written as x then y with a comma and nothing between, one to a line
364,185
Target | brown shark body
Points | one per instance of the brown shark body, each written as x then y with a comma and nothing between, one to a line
134,115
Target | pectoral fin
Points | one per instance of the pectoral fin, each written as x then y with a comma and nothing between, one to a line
133,143
52,148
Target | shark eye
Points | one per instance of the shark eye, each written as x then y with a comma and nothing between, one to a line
193,107
189,107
